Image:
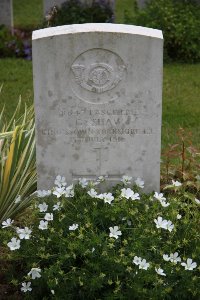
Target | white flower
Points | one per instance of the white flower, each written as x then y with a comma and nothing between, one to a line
35,273
126,179
24,233
14,244
92,193
160,223
161,199
140,183
143,264
178,217
114,232
166,257
59,191
197,201
137,260
73,227
83,182
53,292
160,271
18,199
107,197
101,196
190,265
164,204
48,217
60,181
135,196
159,196
57,206
26,287
43,193
176,183
127,193
43,225
43,207
169,226
93,249
7,223
174,258
69,192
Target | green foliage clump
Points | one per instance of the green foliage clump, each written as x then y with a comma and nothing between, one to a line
180,22
66,250
17,162
75,12
10,45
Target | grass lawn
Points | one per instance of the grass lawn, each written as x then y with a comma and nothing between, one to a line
17,80
181,92
181,100
27,14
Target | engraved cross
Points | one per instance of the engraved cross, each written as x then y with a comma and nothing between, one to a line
101,155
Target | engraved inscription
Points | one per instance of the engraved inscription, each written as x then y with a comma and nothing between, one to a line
89,135
97,125
96,75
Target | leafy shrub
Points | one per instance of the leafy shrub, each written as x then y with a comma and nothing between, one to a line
82,244
17,162
10,45
75,12
180,22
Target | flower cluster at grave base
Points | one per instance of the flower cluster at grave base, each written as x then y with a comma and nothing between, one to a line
82,243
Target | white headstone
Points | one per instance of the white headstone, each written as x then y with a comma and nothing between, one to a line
98,94
6,13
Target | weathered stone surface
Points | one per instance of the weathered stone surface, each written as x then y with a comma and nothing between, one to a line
6,13
98,91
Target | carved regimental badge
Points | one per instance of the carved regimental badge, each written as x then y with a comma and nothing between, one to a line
98,77
95,72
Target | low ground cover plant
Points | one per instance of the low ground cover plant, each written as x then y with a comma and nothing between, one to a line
77,242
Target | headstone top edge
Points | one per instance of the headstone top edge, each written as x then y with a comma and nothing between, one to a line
97,27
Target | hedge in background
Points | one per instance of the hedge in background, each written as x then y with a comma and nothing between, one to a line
75,12
180,22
